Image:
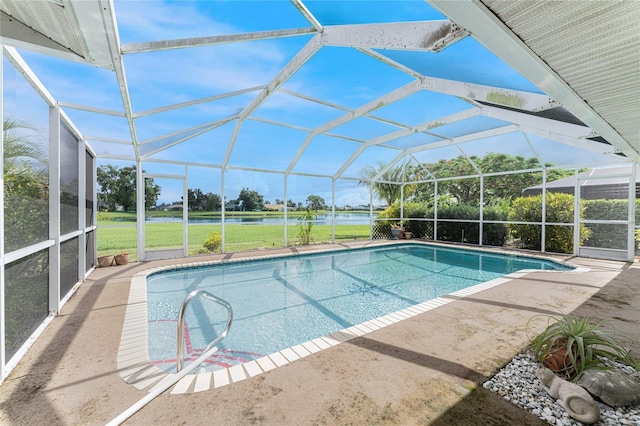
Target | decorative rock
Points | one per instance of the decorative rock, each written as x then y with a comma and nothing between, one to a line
613,387
518,377
573,398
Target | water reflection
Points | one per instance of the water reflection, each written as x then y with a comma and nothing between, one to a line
320,219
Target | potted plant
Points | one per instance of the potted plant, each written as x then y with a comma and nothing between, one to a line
122,258
396,231
570,345
104,261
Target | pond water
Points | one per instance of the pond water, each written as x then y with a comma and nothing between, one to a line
320,219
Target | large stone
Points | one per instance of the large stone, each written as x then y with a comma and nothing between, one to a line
613,387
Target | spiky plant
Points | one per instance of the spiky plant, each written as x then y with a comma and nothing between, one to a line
581,342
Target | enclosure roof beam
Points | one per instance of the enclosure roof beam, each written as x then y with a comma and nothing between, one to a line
568,129
312,99
154,46
307,14
14,57
113,42
300,58
87,108
582,143
394,64
389,165
350,160
197,101
466,138
496,95
279,123
429,36
452,118
190,136
209,125
387,99
108,140
462,115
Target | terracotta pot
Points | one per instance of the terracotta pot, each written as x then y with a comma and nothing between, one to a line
122,259
558,361
104,261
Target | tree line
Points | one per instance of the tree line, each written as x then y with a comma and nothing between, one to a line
117,189
497,189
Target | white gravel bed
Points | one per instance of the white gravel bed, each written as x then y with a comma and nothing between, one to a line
517,383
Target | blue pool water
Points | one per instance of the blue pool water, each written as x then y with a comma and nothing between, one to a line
279,303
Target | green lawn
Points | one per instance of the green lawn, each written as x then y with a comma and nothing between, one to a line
118,233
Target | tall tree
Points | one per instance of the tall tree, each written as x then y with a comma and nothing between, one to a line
195,199
496,188
118,187
389,186
211,202
316,202
251,200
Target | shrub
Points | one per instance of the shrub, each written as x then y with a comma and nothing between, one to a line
608,235
494,233
213,243
559,210
304,227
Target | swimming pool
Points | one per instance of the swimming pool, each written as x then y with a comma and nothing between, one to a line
283,302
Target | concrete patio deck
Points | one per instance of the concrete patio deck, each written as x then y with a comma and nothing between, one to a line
427,369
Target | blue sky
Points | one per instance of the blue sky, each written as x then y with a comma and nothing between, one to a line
344,77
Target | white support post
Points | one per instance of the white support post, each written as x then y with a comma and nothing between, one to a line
576,216
435,210
370,213
481,226
94,173
185,212
82,206
286,209
632,214
401,203
54,208
333,210
140,224
2,280
223,208
543,237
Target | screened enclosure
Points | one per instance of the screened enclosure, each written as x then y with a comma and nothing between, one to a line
457,121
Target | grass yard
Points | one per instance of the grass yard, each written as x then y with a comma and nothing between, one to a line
116,236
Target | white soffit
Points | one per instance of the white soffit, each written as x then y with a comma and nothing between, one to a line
586,55
69,29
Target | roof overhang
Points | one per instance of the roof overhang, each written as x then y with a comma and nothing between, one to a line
532,38
69,29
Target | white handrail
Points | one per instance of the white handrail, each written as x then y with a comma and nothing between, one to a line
172,379
183,308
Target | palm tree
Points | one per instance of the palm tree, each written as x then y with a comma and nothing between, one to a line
20,157
385,190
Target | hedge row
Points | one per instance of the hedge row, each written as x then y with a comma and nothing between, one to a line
559,209
468,232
